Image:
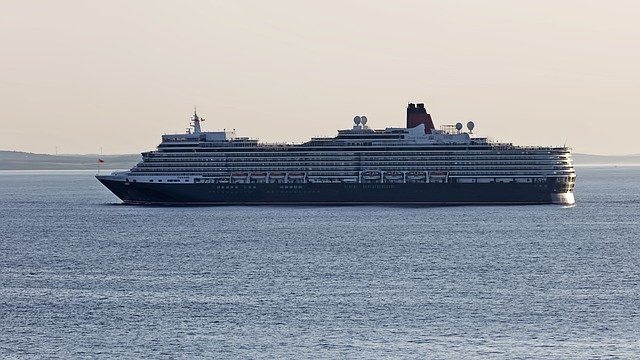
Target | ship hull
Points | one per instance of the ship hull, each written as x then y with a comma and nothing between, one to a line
339,193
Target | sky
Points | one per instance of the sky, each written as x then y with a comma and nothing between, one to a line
81,76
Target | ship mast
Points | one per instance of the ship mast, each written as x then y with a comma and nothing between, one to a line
196,122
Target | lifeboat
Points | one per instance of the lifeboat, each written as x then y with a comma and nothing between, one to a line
239,177
277,177
438,176
393,175
259,175
416,175
371,175
296,175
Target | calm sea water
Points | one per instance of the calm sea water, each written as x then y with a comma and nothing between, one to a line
82,276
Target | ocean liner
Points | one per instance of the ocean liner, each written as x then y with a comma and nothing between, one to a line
416,165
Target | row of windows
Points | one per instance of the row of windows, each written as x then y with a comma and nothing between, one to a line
344,173
362,164
380,147
395,167
268,154
361,160
368,147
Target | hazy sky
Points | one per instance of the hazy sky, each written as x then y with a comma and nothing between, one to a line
81,75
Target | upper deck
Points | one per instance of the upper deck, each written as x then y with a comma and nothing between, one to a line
360,135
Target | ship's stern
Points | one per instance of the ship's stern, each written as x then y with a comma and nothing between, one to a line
562,190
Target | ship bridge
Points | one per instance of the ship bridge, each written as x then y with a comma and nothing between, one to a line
195,137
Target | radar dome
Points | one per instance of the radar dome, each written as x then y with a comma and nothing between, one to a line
459,126
364,120
470,125
356,120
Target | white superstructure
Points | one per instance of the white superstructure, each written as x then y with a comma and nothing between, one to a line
359,154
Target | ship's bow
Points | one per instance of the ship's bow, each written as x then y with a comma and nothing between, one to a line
115,184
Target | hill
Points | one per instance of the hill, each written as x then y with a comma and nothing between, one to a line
588,159
18,160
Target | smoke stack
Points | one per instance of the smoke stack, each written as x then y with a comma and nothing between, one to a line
416,115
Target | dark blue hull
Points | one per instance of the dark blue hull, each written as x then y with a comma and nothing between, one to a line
338,194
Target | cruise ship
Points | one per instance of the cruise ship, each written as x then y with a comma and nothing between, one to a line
414,165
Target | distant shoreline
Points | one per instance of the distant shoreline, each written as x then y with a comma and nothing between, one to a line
19,160
605,165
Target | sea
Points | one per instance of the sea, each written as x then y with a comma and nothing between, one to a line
83,276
